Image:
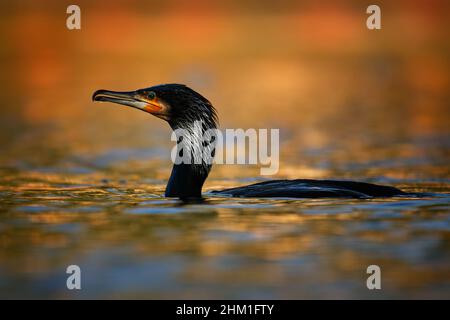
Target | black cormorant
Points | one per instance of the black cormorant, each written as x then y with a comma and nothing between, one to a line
182,107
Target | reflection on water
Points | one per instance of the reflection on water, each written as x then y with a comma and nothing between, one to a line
82,183
131,242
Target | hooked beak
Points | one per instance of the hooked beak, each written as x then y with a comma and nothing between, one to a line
132,99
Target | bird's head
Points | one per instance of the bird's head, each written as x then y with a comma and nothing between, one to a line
178,104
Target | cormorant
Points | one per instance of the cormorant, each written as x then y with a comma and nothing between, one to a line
182,107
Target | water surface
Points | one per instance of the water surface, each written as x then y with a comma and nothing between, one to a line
131,242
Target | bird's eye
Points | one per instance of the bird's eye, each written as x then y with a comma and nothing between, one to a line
151,95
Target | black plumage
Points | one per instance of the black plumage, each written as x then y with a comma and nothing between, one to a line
184,108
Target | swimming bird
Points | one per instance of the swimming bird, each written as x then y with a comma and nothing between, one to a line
183,109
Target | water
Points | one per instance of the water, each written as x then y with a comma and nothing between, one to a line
82,183
131,242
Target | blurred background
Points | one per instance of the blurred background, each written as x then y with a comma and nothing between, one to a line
313,70
349,102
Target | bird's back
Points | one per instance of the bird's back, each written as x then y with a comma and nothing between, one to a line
306,188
